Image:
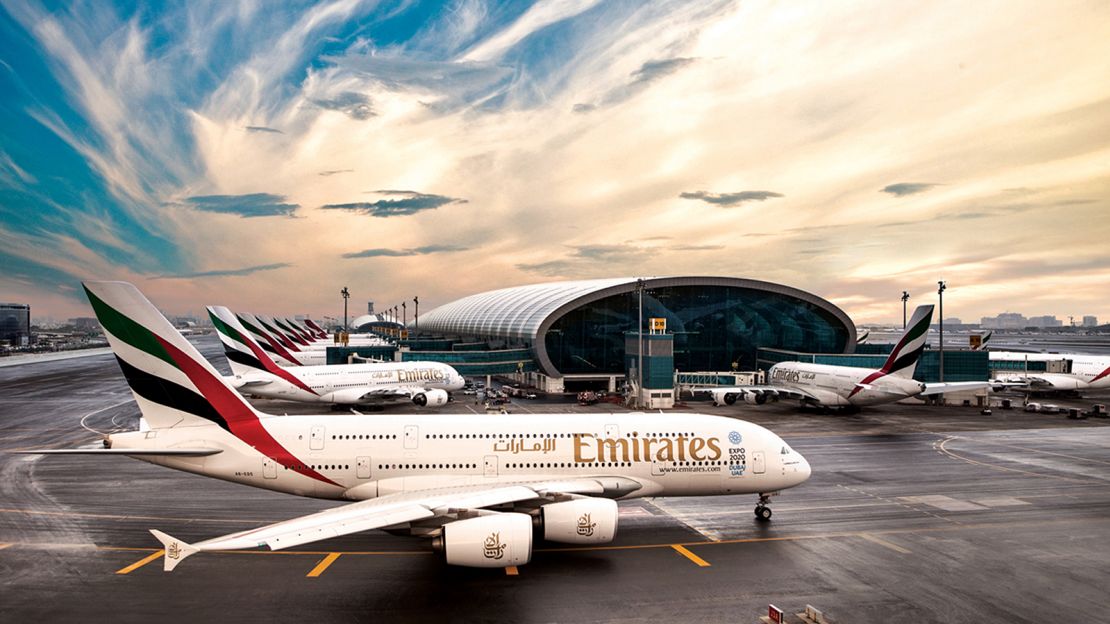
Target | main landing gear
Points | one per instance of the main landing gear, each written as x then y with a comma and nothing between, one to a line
762,511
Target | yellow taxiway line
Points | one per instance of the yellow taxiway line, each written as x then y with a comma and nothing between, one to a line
140,563
323,565
680,549
882,542
3,546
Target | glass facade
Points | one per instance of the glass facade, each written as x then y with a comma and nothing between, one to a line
713,327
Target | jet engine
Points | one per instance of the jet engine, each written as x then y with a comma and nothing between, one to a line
432,398
730,398
755,398
490,541
579,521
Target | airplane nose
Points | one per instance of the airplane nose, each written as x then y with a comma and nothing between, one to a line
803,471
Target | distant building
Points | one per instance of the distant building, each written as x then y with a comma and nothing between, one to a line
953,321
1044,321
15,324
1090,321
1006,320
369,307
85,323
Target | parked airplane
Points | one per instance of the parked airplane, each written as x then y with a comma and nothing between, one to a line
273,345
849,386
477,486
254,372
1080,372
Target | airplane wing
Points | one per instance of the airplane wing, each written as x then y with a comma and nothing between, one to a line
954,386
390,510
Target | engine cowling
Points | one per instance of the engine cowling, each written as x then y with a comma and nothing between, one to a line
493,541
580,521
755,398
431,398
730,398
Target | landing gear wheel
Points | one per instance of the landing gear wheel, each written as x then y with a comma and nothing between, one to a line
763,513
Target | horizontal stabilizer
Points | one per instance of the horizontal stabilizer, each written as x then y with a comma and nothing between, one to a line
178,452
954,386
176,550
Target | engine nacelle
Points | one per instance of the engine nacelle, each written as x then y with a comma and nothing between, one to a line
580,521
431,398
729,398
493,541
755,398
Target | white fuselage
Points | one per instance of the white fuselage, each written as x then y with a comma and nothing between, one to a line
1088,372
361,457
343,383
843,386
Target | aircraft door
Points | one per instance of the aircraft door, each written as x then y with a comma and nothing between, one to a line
316,438
362,467
657,468
759,462
412,436
612,431
269,468
491,465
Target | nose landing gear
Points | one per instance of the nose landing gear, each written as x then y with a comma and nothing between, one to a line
762,511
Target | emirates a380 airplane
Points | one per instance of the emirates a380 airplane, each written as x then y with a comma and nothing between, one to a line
254,372
477,486
851,387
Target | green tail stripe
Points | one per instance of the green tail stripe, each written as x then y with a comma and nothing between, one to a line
228,330
128,330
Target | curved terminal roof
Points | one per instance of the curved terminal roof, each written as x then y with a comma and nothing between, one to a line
526,312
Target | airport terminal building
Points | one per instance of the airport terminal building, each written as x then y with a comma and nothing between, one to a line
578,330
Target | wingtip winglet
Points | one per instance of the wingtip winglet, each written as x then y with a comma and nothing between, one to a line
176,550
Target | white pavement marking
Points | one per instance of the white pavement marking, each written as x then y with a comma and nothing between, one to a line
947,503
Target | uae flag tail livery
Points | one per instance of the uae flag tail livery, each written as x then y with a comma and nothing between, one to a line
244,354
903,359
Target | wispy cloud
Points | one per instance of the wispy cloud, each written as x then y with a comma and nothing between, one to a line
249,205
354,105
902,189
730,199
332,172
262,129
639,80
397,253
227,272
697,247
406,203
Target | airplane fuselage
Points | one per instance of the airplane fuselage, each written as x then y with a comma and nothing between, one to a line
1087,372
361,457
843,386
344,383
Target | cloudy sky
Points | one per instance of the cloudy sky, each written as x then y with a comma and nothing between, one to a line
263,155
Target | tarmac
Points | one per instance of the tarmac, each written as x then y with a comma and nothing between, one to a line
914,514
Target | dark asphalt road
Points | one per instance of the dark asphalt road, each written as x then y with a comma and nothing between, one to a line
913,514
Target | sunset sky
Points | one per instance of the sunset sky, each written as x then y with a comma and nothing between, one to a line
263,155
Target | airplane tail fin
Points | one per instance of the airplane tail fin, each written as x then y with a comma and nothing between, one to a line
323,335
244,352
287,330
268,342
903,359
270,326
172,382
176,550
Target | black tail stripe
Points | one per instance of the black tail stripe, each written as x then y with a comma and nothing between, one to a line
244,358
907,359
163,392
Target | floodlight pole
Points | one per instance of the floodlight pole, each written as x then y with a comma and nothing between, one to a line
404,316
346,295
416,315
640,350
941,287
905,298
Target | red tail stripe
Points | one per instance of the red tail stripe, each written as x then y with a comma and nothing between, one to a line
242,420
866,380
